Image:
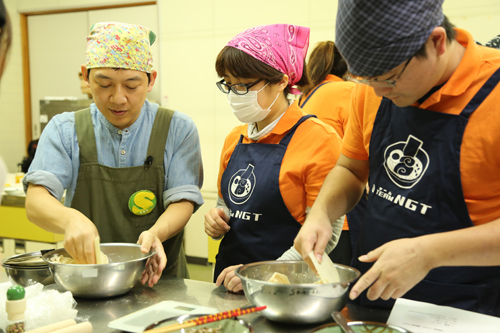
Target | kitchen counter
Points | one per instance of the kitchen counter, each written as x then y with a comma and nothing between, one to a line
14,224
101,311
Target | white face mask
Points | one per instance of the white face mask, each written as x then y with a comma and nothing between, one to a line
246,107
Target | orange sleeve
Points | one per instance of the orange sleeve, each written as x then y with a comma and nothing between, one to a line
362,113
307,162
343,111
321,158
331,105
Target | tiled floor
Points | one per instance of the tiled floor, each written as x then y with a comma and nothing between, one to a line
200,272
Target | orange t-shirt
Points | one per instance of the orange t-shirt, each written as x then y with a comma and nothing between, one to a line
479,156
330,103
311,154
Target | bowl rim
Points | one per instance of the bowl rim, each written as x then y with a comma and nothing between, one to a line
303,285
359,323
21,268
27,254
151,253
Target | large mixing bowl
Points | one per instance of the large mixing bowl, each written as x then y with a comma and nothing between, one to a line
21,272
122,273
301,301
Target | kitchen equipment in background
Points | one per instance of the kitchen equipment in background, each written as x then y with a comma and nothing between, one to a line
15,191
301,301
51,106
27,269
122,273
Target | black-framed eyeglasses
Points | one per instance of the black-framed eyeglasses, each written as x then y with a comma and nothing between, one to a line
378,83
238,89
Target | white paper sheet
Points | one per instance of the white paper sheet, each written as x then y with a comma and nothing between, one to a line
421,317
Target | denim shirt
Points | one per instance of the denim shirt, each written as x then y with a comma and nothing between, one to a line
57,159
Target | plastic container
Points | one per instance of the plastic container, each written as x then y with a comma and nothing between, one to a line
15,305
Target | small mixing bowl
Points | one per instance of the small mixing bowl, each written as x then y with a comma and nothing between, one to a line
122,273
23,271
301,301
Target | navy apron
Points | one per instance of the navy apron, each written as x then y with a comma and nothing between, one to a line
416,189
355,219
262,228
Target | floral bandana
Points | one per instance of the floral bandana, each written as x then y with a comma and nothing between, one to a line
120,45
281,46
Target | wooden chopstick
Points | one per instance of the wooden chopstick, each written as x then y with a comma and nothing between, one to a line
207,319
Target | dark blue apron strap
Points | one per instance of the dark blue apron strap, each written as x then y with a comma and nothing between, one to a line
286,139
241,139
312,92
481,94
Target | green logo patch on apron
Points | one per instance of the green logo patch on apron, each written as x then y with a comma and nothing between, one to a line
142,202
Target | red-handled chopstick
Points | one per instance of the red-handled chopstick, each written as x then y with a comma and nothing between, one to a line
207,319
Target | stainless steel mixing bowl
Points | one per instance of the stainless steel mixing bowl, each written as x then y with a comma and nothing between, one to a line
21,272
361,327
301,301
122,273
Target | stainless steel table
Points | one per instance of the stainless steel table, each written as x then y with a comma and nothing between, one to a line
101,311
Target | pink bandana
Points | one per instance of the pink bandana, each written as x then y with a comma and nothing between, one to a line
281,46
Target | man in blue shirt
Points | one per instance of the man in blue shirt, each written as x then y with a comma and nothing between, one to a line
132,171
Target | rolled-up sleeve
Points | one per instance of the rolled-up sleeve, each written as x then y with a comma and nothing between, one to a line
182,162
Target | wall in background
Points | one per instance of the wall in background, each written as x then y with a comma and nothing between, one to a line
191,35
12,139
481,17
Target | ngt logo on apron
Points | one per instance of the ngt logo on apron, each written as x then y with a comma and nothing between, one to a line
406,162
242,185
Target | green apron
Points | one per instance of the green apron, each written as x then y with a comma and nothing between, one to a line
102,193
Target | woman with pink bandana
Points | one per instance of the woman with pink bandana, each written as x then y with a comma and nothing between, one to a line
272,167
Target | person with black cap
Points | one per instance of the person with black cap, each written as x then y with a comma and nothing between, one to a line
424,129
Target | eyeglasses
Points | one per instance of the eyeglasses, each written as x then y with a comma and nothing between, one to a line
377,83
238,89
